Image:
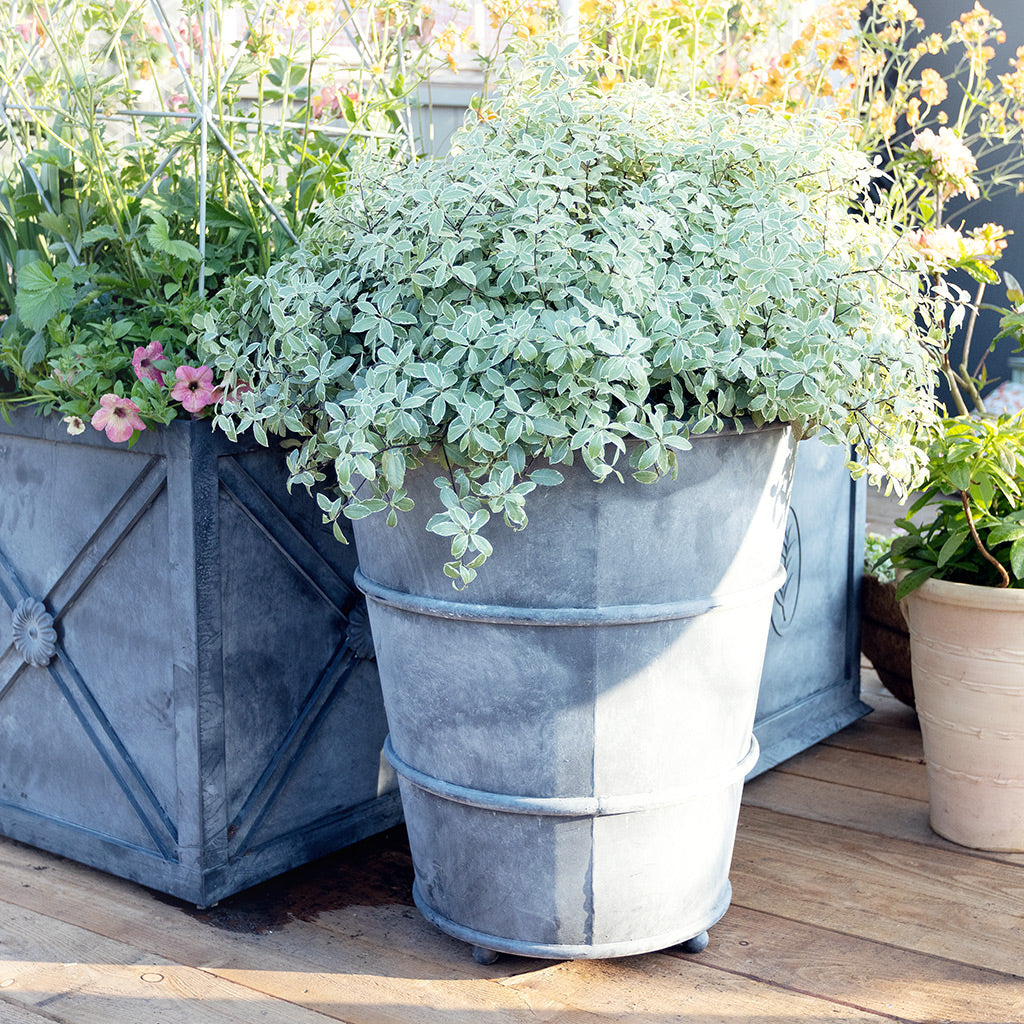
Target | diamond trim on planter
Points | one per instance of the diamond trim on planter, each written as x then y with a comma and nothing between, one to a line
32,632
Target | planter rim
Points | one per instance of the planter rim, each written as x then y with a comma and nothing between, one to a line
28,422
746,425
969,594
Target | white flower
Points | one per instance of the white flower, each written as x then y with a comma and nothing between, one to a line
76,425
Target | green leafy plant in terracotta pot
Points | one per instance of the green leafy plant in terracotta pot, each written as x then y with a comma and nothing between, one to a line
961,572
559,370
961,582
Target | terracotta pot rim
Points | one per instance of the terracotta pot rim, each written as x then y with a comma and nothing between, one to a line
969,594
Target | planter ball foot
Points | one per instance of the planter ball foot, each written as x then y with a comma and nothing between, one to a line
483,955
695,945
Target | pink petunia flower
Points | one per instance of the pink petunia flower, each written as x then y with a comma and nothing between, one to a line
119,417
144,359
235,394
194,387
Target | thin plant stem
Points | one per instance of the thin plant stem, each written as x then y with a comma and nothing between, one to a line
1004,576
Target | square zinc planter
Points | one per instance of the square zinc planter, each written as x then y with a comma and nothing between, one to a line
208,717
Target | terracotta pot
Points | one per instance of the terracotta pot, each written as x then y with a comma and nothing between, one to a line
885,639
967,646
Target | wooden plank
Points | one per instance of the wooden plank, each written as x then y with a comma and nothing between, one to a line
887,708
858,973
660,987
340,940
890,775
358,967
878,813
402,972
106,905
943,903
82,978
13,1013
384,964
299,920
877,737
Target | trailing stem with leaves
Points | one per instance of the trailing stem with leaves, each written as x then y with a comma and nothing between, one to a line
590,276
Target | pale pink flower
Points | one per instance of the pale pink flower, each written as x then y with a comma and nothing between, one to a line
28,29
119,417
144,360
951,162
940,246
233,395
194,387
325,100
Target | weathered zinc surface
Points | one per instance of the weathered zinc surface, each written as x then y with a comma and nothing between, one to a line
572,730
202,714
810,687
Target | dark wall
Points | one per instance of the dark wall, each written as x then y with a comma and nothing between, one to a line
1007,207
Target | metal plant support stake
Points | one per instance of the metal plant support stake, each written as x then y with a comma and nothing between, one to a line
206,121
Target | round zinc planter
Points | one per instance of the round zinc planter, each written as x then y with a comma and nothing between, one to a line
967,647
571,732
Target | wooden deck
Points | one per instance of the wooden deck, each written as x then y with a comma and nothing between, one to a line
846,909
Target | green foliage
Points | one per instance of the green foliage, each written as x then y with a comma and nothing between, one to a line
876,557
587,277
119,215
975,475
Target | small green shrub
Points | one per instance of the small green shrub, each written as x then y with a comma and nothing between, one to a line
973,529
588,277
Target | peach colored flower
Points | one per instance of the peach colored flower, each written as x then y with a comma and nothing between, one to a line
951,162
194,387
989,239
933,87
939,246
899,10
118,416
1014,84
144,362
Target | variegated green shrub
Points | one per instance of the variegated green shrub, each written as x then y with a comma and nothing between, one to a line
588,277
